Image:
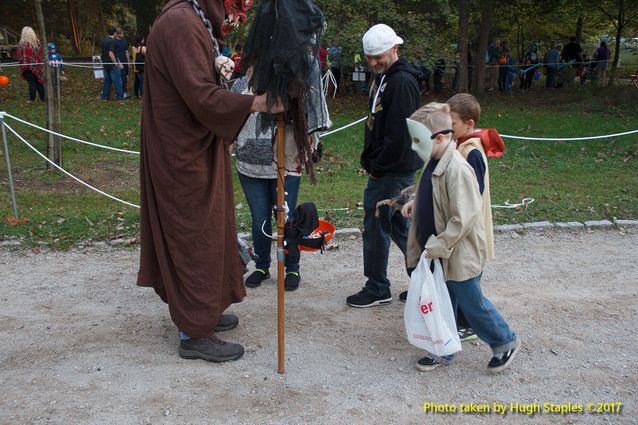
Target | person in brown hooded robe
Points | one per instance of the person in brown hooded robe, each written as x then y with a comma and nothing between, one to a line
189,249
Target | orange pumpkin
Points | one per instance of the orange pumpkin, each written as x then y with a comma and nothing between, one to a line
502,60
4,80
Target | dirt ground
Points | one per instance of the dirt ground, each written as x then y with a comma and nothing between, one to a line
81,344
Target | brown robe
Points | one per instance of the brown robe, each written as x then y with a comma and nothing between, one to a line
189,249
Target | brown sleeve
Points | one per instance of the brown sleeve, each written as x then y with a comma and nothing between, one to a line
191,70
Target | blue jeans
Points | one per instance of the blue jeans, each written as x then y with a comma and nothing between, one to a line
482,316
112,75
261,195
551,77
377,231
138,85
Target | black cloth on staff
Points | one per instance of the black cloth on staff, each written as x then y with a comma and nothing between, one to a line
282,45
304,221
282,50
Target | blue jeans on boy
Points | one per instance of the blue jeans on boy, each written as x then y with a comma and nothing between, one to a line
378,231
483,317
112,75
261,195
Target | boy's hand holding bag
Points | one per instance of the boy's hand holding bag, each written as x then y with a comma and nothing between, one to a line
429,317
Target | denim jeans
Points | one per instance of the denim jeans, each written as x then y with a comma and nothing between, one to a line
261,195
551,78
482,316
138,85
112,75
34,85
377,231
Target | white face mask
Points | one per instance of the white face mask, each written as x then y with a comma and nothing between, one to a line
421,137
224,67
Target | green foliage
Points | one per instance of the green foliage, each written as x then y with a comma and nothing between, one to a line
429,27
424,25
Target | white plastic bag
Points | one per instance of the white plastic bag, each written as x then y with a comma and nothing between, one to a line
429,317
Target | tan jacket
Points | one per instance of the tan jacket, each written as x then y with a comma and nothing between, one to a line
465,148
458,220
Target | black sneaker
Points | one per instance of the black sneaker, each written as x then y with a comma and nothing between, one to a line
467,334
211,349
501,360
291,282
256,277
226,322
403,296
364,298
427,364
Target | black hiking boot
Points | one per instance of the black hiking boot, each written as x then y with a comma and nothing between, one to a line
226,322
211,349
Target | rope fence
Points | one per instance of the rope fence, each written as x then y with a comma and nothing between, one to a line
507,205
92,65
69,137
66,172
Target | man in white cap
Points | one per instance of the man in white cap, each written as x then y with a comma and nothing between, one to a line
387,158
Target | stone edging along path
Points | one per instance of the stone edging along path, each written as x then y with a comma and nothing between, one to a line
354,231
538,225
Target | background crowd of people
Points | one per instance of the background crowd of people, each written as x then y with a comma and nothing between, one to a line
118,62
559,65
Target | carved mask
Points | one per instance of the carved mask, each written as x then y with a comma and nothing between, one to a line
224,67
235,14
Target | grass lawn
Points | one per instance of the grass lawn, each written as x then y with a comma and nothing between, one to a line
584,180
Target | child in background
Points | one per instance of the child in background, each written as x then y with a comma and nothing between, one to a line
57,63
447,221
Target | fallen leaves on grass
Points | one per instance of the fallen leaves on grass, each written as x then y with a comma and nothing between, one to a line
14,221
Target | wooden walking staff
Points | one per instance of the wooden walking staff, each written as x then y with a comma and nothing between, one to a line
281,48
281,222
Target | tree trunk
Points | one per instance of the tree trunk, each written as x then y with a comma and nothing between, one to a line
98,5
145,13
620,25
484,35
54,148
73,20
579,28
461,71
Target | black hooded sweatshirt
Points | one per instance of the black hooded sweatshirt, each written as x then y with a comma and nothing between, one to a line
387,149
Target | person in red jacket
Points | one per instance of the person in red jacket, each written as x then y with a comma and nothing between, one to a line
30,59
236,58
323,55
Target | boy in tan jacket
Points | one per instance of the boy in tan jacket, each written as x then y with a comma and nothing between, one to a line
447,221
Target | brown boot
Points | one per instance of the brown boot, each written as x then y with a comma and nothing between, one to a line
211,349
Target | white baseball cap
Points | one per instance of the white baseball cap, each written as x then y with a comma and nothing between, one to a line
379,39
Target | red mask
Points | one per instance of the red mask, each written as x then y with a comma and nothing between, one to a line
235,14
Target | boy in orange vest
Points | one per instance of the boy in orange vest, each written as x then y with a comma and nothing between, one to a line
475,145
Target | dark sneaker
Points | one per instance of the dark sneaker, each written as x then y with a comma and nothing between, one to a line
226,322
501,360
256,277
467,334
211,349
291,282
427,364
403,296
364,299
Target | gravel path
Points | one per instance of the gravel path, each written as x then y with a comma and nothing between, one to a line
81,344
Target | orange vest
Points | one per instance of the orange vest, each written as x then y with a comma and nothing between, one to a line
490,139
